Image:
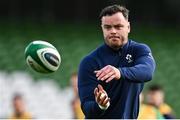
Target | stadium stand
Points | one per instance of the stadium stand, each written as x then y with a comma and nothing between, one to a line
44,99
75,41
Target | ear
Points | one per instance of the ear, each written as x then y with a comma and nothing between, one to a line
101,26
129,27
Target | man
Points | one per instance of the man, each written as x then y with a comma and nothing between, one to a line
19,108
148,111
75,104
155,97
111,78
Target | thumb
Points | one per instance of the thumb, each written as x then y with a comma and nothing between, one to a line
100,87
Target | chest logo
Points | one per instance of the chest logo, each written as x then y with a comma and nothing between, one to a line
129,58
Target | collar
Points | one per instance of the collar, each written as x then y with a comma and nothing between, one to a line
119,51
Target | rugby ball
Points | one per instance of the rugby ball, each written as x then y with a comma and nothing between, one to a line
42,57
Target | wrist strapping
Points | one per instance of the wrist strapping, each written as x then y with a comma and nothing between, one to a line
104,108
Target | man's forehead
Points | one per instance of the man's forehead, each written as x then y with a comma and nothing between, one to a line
116,15
117,18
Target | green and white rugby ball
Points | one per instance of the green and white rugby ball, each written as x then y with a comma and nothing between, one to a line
42,56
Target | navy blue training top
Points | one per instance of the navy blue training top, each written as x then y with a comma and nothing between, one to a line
136,65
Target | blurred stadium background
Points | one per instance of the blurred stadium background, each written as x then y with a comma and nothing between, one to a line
74,28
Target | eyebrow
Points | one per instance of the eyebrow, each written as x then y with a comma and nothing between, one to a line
114,25
117,25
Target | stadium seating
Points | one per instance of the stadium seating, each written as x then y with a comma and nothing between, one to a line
44,99
75,41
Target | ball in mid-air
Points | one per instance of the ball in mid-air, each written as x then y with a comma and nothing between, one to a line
42,56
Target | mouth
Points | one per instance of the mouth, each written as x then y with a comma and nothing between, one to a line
114,37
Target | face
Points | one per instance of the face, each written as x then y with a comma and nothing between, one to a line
115,30
156,98
141,98
74,80
18,105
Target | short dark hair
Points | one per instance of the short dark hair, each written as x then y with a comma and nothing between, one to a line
17,96
155,88
110,10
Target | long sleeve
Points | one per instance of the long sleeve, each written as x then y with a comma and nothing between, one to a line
86,84
144,65
136,66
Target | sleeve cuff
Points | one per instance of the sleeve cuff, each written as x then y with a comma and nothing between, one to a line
121,73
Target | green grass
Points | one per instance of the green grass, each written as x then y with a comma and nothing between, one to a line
74,41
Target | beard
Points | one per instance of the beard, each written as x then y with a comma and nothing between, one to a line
115,42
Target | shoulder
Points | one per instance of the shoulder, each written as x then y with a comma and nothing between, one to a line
25,115
90,60
148,108
87,60
140,48
92,56
165,108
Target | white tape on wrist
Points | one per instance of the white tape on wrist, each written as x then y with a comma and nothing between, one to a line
104,108
107,105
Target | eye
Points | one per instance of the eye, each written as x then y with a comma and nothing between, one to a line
107,27
118,27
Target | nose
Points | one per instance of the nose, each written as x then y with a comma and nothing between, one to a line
113,30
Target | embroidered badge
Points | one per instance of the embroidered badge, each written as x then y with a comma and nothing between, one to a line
129,58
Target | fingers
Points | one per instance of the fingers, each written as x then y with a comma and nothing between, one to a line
101,73
104,71
97,72
95,91
101,96
110,78
108,73
98,99
98,93
105,102
102,99
100,88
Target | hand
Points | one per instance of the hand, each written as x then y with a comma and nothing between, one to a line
101,97
108,73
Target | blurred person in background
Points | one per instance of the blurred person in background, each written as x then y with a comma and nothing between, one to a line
111,77
155,97
148,111
19,108
76,107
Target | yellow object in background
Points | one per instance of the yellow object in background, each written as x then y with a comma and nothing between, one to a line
25,115
149,112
